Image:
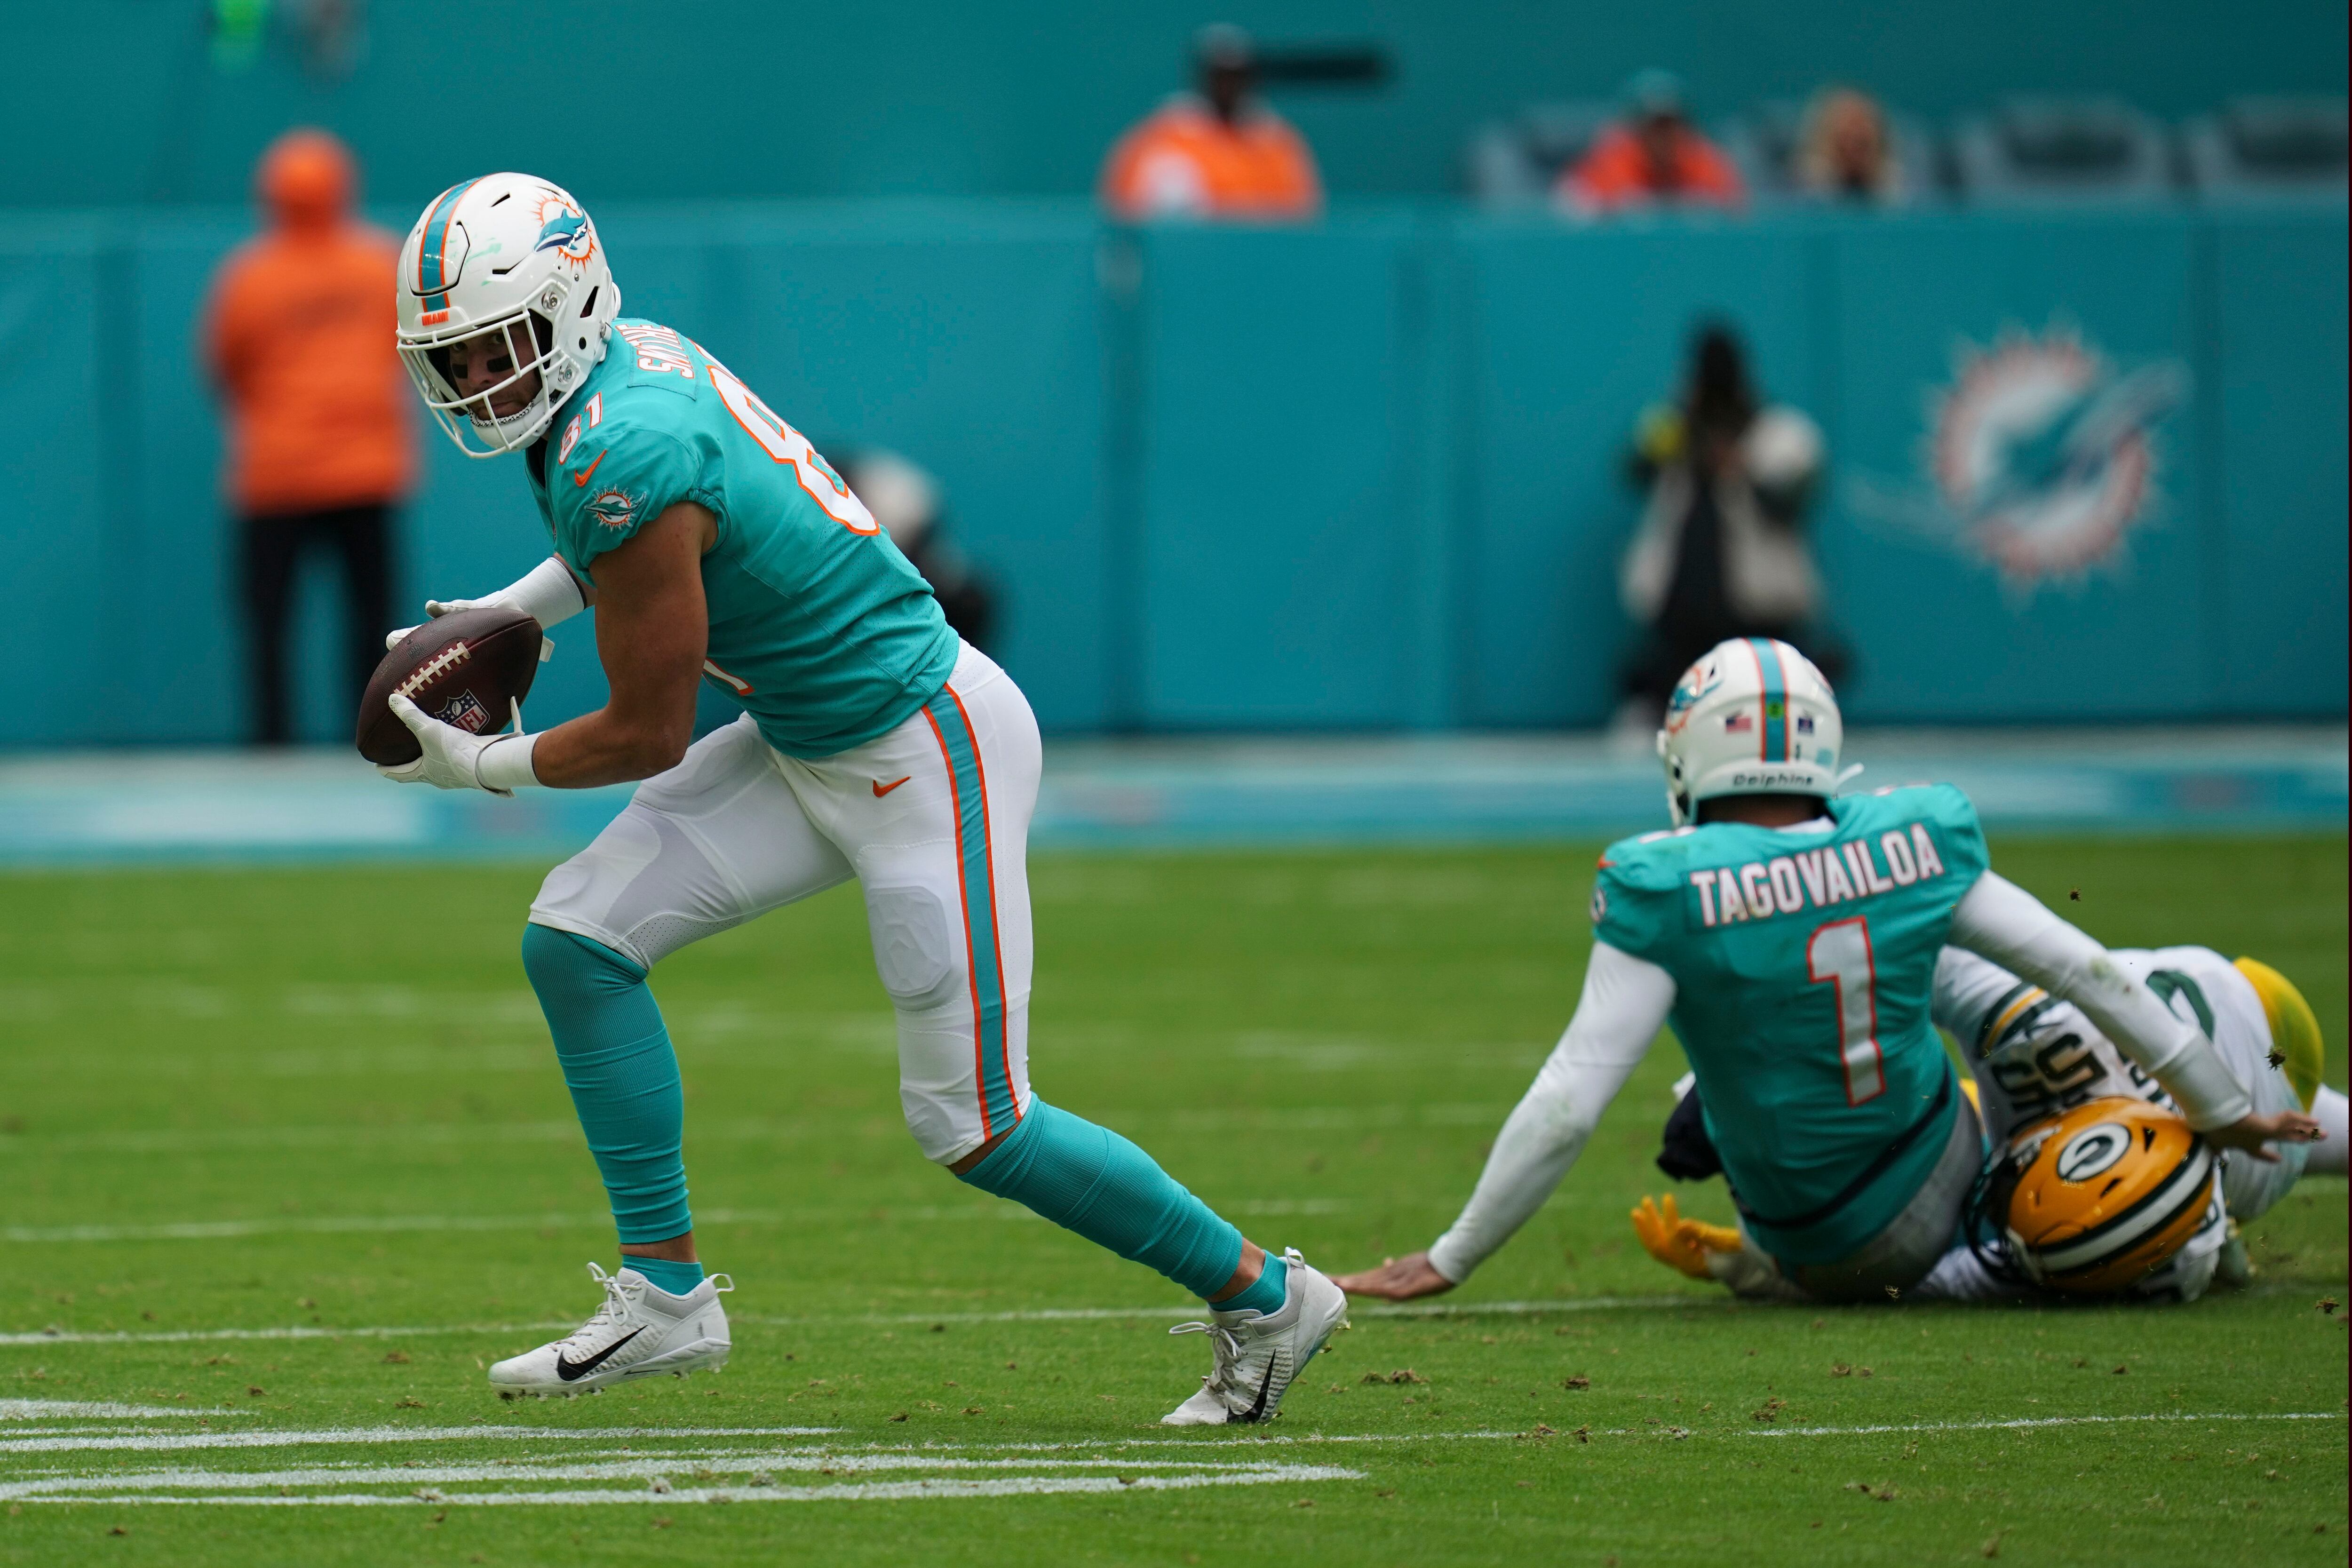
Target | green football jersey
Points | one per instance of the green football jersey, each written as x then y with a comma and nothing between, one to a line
1803,965
819,626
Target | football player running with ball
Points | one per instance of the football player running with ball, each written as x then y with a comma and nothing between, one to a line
1791,937
715,543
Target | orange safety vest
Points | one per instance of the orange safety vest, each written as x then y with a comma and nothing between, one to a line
1184,160
1617,173
298,334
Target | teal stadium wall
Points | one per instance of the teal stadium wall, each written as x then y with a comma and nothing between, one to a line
1358,476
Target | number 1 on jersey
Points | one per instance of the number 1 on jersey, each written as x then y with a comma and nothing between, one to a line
1839,956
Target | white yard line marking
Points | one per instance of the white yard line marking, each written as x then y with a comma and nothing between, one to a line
2028,1423
157,1442
222,1229
737,1468
871,1491
67,1409
882,1320
1172,1313
296,1331
195,1140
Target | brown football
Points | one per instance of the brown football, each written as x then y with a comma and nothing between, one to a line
463,668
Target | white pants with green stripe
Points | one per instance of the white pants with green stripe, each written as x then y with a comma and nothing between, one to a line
933,821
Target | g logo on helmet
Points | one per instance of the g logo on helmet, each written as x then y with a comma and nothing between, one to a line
2123,1186
2091,1152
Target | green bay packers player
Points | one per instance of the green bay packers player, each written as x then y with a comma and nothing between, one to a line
1791,936
2032,1057
716,545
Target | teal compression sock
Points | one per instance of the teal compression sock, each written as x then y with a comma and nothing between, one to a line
667,1273
1265,1293
1090,1180
622,1075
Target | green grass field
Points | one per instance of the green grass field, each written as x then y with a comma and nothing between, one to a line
288,1160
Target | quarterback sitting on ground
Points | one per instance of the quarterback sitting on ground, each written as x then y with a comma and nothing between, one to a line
716,545
1791,937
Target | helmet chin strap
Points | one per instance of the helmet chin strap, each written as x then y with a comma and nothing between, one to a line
1846,775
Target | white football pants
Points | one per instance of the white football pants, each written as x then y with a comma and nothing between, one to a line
933,821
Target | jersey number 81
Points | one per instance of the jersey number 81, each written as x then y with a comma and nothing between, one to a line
786,445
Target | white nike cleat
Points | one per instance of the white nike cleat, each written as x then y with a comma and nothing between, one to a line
1258,1354
641,1331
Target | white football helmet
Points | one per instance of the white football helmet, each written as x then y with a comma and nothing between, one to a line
513,256
1753,716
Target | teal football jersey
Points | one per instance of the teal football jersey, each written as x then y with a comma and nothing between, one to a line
819,626
1803,967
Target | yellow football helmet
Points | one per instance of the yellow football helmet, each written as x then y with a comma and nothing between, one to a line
2095,1198
2294,1028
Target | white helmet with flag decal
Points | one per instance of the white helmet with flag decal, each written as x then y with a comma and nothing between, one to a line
1753,716
506,304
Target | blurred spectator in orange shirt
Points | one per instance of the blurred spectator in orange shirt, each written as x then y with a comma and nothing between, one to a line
1217,153
1651,158
1843,150
298,336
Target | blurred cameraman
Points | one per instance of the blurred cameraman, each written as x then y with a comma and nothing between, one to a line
298,335
905,499
1218,152
1720,550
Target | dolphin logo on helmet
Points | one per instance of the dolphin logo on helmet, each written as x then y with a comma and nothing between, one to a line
514,259
568,232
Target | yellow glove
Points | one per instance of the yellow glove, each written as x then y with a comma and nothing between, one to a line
1680,1244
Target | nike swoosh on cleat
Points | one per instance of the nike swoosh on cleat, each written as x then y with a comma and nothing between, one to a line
1256,1410
881,789
573,1371
581,476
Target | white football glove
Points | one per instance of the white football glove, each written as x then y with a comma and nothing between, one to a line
436,609
453,759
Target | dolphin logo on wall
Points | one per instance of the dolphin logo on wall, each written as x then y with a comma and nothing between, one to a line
2040,457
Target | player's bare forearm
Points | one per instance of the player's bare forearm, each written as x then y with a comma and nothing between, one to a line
651,633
